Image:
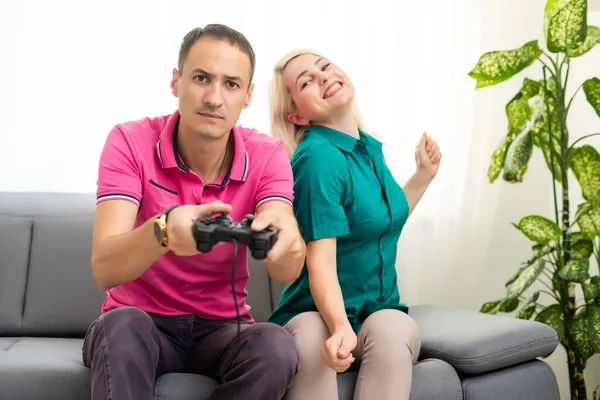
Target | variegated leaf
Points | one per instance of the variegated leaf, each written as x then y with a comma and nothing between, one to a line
591,289
539,229
594,327
575,271
525,279
592,39
541,139
591,88
550,121
585,164
490,307
527,308
565,23
552,8
518,113
527,313
552,316
517,157
588,219
497,66
509,305
515,276
498,157
519,151
580,337
518,109
581,247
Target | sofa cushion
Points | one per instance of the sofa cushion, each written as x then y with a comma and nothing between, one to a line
432,380
43,368
61,298
259,290
178,386
531,380
475,342
15,237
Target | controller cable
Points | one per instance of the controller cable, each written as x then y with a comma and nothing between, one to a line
233,265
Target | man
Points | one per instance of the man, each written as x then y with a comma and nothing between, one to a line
170,308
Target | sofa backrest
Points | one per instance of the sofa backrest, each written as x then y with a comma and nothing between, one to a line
46,284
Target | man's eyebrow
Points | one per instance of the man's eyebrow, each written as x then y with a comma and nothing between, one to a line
306,71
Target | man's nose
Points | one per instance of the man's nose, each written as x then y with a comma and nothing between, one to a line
214,96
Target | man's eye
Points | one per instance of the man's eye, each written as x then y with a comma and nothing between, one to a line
200,78
232,85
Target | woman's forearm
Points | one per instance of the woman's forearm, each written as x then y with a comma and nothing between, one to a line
414,189
326,291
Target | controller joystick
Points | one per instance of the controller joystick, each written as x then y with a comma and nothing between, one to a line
248,219
209,231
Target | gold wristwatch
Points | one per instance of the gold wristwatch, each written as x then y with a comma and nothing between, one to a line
160,227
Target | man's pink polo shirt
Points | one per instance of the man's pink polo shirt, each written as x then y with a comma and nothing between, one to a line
140,164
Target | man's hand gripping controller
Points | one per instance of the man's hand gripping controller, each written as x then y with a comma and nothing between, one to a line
209,231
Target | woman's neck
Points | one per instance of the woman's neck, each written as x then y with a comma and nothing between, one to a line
344,123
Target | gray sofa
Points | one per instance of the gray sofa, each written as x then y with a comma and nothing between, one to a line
48,298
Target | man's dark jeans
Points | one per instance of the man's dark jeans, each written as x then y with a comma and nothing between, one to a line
127,349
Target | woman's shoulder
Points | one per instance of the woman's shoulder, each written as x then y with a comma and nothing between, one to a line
317,152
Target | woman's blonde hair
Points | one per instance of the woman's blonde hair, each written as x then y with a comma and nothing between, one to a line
281,104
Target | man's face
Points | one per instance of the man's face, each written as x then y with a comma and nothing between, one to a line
212,87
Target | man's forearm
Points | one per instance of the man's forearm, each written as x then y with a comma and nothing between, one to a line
326,291
288,270
414,189
122,258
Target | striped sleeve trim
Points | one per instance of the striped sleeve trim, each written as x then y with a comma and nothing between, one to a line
272,198
117,196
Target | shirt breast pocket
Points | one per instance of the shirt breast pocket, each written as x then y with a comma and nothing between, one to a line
157,197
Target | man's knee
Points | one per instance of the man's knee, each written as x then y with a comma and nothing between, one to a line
275,346
126,321
121,328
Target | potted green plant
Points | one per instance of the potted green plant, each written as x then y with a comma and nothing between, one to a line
563,247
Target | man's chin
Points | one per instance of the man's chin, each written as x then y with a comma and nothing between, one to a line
212,133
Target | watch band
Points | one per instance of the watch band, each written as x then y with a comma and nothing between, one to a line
168,210
160,226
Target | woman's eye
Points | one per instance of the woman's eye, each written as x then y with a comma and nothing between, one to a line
326,66
304,84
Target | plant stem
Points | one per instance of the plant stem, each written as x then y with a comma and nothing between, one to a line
583,137
568,61
597,253
551,147
573,97
550,294
551,60
547,67
545,284
546,275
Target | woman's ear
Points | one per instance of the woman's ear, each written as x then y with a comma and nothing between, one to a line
297,119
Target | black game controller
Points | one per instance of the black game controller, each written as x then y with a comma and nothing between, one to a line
209,231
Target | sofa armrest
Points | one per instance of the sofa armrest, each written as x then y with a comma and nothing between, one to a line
474,342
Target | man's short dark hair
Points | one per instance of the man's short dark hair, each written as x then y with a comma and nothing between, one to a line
219,32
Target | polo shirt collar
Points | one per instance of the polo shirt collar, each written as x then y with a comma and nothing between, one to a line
166,148
337,138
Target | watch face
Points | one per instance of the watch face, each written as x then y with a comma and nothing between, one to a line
157,232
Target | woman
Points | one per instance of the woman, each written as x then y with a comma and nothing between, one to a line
344,309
